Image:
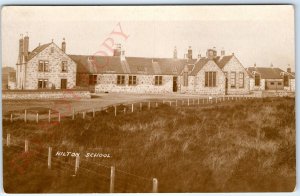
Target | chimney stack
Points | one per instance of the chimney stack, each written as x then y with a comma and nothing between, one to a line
26,46
289,70
63,45
211,53
175,53
190,53
222,52
21,49
117,50
271,65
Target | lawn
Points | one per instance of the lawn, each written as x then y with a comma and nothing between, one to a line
237,146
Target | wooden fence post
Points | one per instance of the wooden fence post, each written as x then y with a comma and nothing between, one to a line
26,145
149,105
141,106
11,117
188,101
198,101
49,116
115,110
131,107
170,103
83,115
176,103
25,116
112,179
8,140
193,101
37,117
203,101
73,114
93,112
58,116
49,157
156,104
124,110
77,164
155,185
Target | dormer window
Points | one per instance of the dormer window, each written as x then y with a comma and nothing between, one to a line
64,66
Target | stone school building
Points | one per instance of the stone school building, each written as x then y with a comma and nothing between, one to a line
49,66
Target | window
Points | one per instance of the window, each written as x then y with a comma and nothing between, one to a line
257,80
279,83
232,79
92,79
185,79
42,83
210,79
158,80
272,83
64,66
241,80
43,66
120,80
132,80
286,80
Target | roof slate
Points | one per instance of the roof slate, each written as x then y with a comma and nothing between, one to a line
267,73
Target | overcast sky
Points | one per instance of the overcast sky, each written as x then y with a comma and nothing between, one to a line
255,34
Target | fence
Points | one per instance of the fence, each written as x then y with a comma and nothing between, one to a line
123,108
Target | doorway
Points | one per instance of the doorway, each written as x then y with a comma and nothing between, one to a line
226,86
175,84
63,84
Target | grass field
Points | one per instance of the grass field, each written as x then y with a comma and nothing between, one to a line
243,146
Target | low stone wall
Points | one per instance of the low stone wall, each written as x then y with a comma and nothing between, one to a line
45,94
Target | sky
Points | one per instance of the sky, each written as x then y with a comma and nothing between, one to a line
261,34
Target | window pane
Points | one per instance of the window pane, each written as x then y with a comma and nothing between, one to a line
232,77
214,78
206,79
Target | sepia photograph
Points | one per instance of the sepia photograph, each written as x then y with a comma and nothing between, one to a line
148,99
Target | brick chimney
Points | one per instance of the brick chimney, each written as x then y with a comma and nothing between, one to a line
63,45
211,53
26,46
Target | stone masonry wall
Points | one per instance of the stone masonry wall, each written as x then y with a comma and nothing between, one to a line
55,74
235,66
145,84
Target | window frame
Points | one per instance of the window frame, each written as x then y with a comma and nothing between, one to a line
210,79
64,65
43,66
233,84
158,80
257,79
120,79
132,80
44,83
241,80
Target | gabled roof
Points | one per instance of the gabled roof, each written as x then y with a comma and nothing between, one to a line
268,72
37,50
199,65
222,61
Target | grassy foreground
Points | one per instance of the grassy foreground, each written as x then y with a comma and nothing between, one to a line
230,147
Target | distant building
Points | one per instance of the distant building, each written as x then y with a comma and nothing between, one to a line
8,78
271,79
46,67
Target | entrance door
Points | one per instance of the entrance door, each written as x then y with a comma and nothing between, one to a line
63,84
226,86
174,84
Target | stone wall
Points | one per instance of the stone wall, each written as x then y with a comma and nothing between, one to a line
54,75
235,66
145,84
45,94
